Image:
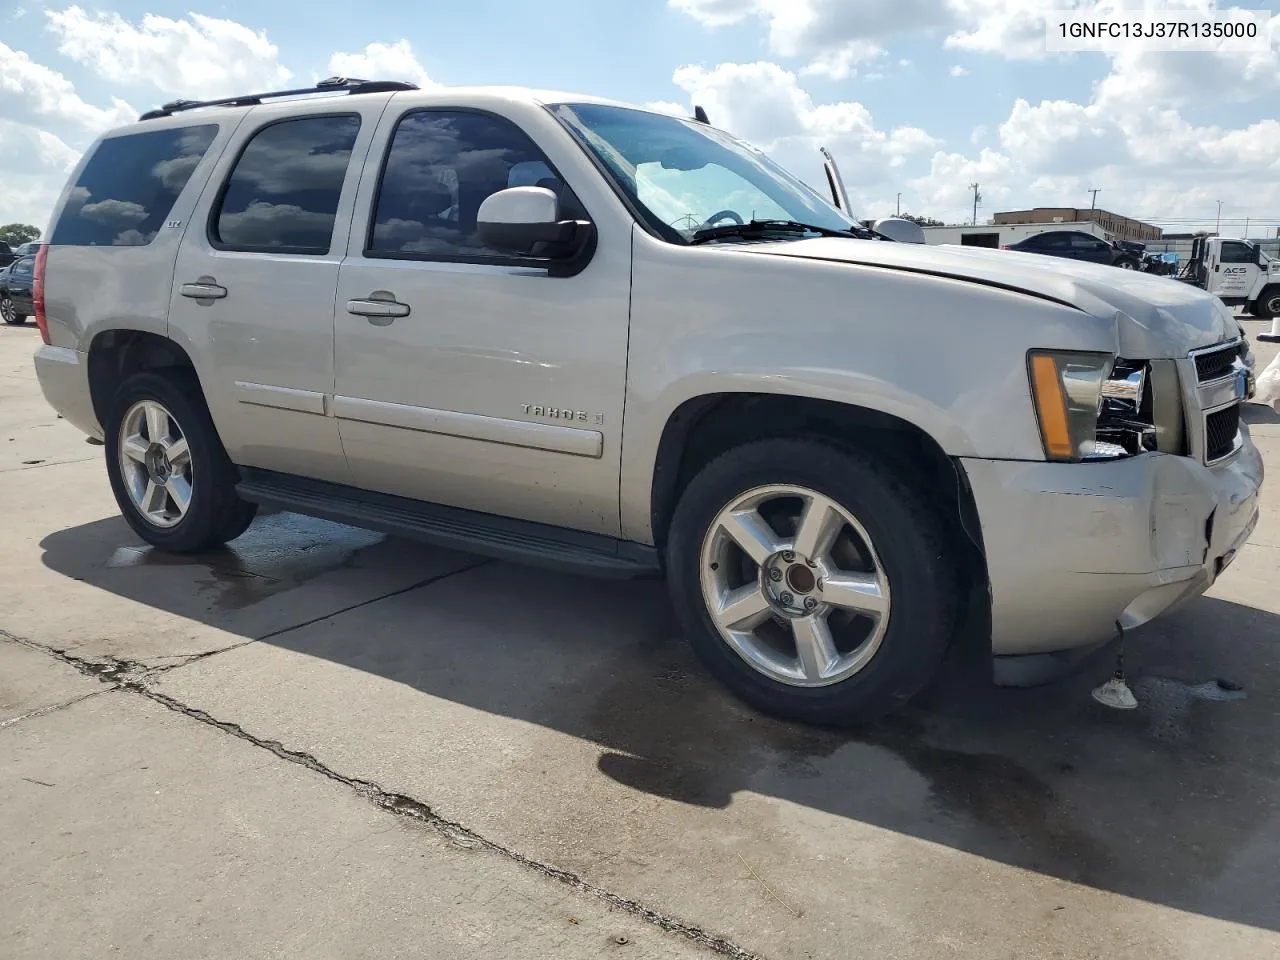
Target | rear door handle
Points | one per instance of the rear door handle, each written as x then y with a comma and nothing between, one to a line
381,308
203,289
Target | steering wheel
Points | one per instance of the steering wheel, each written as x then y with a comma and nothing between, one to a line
715,218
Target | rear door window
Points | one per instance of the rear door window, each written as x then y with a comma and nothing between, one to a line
1050,241
283,193
1087,243
125,192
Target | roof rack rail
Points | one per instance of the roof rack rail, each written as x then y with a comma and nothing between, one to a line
350,85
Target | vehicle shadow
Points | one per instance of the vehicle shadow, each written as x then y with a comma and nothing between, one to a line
1175,803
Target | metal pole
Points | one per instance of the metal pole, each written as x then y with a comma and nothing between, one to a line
1218,228
899,204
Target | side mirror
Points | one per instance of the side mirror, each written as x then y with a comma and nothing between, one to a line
902,230
520,218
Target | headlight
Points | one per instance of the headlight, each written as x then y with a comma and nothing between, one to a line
1091,406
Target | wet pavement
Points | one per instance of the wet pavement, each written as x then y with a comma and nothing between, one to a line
561,727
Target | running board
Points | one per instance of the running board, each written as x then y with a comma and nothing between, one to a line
517,540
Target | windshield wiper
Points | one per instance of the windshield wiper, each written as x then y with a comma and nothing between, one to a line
759,228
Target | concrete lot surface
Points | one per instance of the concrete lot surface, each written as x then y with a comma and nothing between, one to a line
326,743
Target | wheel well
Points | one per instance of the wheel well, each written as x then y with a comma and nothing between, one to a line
116,355
703,428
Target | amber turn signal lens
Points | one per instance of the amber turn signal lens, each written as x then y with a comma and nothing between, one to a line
1051,407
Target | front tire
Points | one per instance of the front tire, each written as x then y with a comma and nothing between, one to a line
1267,306
812,581
170,474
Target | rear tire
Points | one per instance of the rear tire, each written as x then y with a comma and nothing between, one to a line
886,543
9,312
170,474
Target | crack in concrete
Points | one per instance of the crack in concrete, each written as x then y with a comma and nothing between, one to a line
188,658
133,677
426,582
52,708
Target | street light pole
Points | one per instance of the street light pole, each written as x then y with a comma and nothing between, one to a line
1218,228
899,205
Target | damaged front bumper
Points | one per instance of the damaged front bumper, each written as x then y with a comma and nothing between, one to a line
1075,548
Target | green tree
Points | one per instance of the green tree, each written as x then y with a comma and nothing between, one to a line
16,234
923,221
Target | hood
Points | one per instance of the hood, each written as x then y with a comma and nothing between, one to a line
1156,317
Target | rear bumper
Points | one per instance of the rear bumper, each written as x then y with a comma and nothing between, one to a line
64,379
1074,549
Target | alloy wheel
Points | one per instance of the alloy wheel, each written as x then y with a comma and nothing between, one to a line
794,586
155,463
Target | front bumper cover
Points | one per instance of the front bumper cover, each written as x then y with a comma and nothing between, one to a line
1075,548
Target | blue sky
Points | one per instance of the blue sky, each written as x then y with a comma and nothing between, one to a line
919,97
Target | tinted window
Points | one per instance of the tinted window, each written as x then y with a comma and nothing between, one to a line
441,166
1049,241
126,190
1237,253
283,192
1083,241
23,268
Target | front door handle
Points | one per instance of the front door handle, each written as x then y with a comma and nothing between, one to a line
206,288
380,308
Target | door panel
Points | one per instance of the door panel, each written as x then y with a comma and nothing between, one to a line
501,389
255,281
1087,247
1236,267
21,277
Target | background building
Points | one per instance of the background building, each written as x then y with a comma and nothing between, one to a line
998,235
1118,227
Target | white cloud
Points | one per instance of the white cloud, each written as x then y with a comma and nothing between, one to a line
959,71
33,92
667,107
1010,28
196,57
835,36
382,61
945,193
843,61
1149,162
765,105
1058,136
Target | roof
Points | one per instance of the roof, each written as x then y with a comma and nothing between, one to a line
334,87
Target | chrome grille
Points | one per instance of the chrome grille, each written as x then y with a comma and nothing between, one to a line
1213,401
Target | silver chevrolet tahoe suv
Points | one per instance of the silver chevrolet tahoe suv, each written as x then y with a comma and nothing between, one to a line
560,330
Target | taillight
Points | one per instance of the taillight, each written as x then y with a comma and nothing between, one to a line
37,291
1005,246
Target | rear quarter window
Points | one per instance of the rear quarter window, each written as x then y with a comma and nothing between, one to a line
125,192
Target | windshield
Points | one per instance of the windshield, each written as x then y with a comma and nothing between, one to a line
685,176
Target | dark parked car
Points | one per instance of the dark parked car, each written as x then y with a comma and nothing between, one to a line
27,249
1077,245
15,290
7,256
